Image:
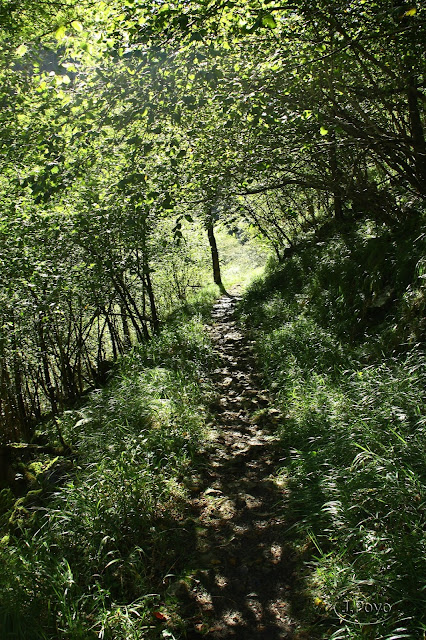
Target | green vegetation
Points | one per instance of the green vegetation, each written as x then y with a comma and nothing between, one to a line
153,154
94,559
131,129
337,329
242,255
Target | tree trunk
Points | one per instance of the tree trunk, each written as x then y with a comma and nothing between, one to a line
335,178
417,133
49,387
150,291
125,327
8,422
215,257
334,165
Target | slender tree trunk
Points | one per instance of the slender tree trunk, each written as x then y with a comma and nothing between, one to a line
20,403
155,320
7,408
417,132
49,386
115,343
141,268
21,409
334,165
152,304
335,177
215,257
125,327
79,331
123,294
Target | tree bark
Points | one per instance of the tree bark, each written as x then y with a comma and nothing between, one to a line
152,304
417,133
335,177
217,277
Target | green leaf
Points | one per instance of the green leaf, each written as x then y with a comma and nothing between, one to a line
323,131
21,50
410,12
77,25
269,21
60,33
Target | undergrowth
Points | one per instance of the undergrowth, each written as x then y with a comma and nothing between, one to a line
91,559
338,331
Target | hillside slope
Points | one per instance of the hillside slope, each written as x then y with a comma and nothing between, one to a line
338,329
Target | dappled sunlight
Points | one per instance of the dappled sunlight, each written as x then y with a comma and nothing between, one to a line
243,583
154,156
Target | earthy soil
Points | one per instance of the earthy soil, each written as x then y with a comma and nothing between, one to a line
244,582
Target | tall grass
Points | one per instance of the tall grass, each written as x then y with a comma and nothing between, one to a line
349,373
90,561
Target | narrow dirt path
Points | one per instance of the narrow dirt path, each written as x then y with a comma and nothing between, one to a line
243,579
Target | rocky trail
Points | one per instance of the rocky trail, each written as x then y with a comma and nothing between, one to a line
244,575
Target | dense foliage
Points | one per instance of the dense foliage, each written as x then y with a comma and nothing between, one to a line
92,565
131,131
353,432
121,121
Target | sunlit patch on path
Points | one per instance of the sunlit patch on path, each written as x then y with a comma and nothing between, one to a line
244,574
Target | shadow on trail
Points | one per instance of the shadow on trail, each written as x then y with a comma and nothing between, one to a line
245,580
